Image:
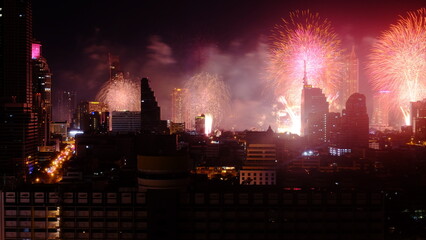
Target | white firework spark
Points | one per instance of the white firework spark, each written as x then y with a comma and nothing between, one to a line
207,94
120,94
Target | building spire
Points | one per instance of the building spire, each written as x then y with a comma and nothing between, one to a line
305,78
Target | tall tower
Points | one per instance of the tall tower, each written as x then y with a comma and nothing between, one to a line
179,111
65,106
150,111
42,90
18,126
380,119
314,106
350,83
355,122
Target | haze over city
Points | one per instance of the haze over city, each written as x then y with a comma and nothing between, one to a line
212,119
169,42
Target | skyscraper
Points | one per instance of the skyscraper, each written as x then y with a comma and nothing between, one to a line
179,111
92,117
42,90
350,83
18,126
332,127
200,124
65,106
355,123
314,106
380,119
150,111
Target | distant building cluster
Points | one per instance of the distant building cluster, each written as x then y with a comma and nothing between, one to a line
93,173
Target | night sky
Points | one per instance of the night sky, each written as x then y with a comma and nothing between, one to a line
170,41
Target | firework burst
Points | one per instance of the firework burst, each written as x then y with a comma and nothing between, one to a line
120,94
207,94
304,37
398,62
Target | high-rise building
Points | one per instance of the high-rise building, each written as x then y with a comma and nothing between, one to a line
150,111
65,107
314,106
42,90
16,42
355,123
332,127
350,83
380,119
92,117
18,126
418,119
179,110
200,124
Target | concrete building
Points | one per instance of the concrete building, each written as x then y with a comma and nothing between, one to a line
218,213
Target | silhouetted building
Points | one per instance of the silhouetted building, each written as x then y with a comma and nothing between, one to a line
150,111
314,107
355,123
225,213
18,122
93,117
418,119
42,90
126,121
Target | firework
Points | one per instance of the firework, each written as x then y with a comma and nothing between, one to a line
304,37
398,62
207,94
208,124
120,94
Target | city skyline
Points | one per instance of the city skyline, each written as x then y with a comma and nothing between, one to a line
212,120
170,52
